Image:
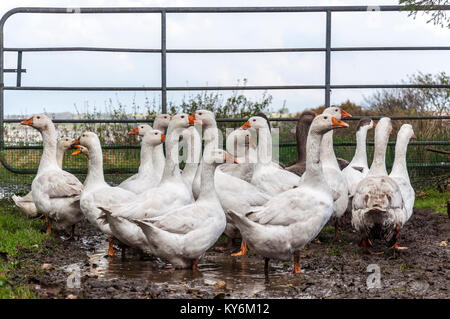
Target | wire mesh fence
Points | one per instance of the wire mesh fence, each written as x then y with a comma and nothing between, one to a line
121,152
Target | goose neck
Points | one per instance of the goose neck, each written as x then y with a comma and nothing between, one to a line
95,166
378,167
171,164
264,146
327,155
207,188
48,159
146,159
360,156
399,167
313,172
60,156
301,135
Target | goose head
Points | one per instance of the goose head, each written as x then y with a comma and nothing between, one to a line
38,121
217,157
324,123
89,140
162,121
365,123
256,122
336,112
406,132
81,150
64,143
181,121
384,126
306,118
153,138
205,118
239,139
140,130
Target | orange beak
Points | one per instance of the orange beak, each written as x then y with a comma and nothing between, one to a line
316,115
414,137
134,131
170,118
230,158
246,125
191,119
77,151
163,138
374,124
76,142
28,122
338,124
345,114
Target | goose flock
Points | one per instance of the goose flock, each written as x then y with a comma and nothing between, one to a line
178,214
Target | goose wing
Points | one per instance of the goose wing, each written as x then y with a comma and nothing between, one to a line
60,185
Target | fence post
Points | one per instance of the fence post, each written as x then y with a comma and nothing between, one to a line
2,84
328,59
19,69
163,64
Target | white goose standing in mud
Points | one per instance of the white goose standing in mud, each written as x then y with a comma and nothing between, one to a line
378,208
287,222
25,203
56,193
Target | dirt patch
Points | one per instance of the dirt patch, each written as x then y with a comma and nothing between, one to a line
332,270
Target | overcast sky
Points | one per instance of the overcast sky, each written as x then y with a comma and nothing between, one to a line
211,31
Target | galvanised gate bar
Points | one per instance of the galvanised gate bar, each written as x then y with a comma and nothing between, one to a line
327,86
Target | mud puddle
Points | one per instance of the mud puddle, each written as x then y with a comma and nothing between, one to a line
220,273
331,270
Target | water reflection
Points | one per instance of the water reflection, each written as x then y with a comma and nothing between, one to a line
244,276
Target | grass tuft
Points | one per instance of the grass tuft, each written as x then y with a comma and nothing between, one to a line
17,233
432,199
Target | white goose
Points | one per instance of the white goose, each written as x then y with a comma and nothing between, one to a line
234,188
25,203
161,123
192,147
378,209
56,193
268,177
148,175
290,220
96,191
399,171
171,193
184,234
332,172
358,168
140,131
209,128
241,146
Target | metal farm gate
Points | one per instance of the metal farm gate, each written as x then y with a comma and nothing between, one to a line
12,171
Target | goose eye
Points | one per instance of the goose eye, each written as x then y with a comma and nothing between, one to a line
336,110
325,117
254,120
200,113
165,117
38,117
182,116
156,133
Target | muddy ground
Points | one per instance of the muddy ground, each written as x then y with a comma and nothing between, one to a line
331,270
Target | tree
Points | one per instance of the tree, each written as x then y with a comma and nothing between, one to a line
430,7
416,102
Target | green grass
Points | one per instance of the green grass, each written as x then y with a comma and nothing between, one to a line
17,232
432,199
